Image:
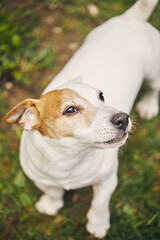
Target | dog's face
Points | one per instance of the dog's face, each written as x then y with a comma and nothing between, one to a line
73,110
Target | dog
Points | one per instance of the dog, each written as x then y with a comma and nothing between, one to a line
73,131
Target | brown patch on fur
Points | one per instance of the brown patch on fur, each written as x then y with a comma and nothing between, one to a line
51,107
48,113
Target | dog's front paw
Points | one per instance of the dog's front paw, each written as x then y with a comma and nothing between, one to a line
48,205
98,224
148,108
98,230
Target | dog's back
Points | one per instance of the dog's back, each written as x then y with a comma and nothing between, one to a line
116,56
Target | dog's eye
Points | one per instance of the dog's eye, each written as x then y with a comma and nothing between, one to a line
70,110
101,97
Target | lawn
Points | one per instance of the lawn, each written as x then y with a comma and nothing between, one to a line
37,38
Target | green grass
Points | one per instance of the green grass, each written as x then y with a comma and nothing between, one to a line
20,53
135,205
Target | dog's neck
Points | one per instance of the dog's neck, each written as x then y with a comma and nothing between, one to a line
67,149
70,165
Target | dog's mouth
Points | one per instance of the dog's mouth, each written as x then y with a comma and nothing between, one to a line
117,140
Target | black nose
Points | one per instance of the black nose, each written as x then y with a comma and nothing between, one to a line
120,120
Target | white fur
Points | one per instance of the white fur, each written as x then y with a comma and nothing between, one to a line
148,106
48,205
115,58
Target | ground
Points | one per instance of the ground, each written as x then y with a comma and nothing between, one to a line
135,205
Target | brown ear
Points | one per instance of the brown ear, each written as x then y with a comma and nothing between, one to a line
25,113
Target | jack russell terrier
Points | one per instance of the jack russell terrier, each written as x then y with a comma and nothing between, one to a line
71,136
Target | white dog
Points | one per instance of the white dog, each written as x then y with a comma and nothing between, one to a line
73,136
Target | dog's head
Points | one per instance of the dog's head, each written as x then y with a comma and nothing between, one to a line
73,110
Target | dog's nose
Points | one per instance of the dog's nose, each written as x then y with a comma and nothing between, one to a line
120,120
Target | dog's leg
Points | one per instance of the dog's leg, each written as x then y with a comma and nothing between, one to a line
99,215
148,106
51,201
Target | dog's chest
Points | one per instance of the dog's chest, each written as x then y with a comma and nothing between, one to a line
76,173
45,166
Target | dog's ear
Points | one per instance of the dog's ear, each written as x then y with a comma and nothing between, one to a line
25,113
76,80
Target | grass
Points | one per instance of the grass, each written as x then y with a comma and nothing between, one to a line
135,205
20,53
